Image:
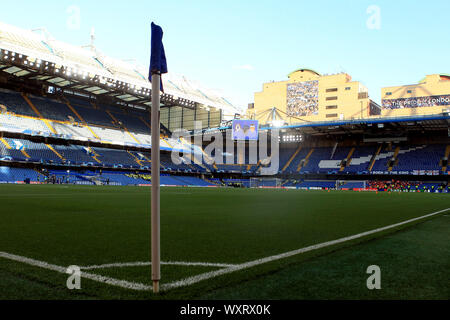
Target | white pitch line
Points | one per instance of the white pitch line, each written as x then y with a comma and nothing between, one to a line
169,263
94,277
208,275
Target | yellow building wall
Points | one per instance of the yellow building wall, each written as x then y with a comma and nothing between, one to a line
432,85
350,104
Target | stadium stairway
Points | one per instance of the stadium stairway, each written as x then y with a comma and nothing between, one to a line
291,158
94,155
374,158
146,158
214,182
122,125
145,122
348,159
305,161
33,107
395,160
67,102
43,173
135,159
5,143
143,159
199,163
25,153
447,154
55,152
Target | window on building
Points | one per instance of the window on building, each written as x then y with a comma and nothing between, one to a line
331,115
331,107
348,88
409,91
389,93
331,90
331,98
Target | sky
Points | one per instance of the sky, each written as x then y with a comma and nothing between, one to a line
235,46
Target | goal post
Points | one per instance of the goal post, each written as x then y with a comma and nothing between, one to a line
265,182
351,184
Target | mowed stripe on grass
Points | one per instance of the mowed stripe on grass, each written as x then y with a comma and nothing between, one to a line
205,276
199,224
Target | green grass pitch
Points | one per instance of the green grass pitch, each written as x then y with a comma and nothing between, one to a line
215,228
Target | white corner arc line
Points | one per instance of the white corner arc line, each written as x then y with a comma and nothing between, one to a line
94,277
169,263
208,275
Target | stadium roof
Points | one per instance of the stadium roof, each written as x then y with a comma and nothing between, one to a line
397,125
303,69
394,124
37,56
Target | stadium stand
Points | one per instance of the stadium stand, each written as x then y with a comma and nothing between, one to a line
13,175
74,130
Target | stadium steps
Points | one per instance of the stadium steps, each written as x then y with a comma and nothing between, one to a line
145,122
305,161
333,151
55,152
25,153
131,135
96,159
199,162
180,180
135,159
95,155
202,165
213,182
117,122
41,173
397,149
192,167
374,158
291,158
257,166
33,107
348,159
142,159
166,141
146,158
447,154
5,143
80,117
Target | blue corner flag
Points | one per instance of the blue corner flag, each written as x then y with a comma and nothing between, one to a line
158,63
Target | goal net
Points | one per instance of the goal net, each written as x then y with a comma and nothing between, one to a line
265,182
351,184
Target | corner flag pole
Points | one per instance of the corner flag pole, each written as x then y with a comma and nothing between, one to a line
156,254
158,65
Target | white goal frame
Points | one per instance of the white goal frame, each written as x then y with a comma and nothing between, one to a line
266,182
342,182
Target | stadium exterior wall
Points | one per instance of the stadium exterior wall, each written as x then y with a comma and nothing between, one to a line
339,98
431,86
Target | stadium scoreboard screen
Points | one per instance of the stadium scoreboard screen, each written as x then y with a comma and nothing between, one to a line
245,130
